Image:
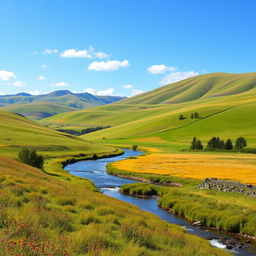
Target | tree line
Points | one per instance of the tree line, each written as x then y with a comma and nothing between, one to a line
217,143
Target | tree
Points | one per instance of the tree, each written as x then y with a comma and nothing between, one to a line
222,144
30,157
199,145
228,144
134,147
193,144
181,117
196,115
240,143
192,116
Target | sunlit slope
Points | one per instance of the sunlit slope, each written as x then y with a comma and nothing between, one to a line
38,110
204,86
230,99
17,131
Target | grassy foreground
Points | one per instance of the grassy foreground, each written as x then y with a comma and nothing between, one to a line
51,212
44,214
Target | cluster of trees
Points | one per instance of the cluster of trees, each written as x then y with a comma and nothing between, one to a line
217,143
193,116
30,157
196,144
83,131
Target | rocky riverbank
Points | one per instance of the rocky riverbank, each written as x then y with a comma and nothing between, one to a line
228,186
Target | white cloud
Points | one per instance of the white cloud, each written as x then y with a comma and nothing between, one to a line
73,53
110,65
107,92
177,76
136,91
43,66
6,75
128,86
100,55
50,51
60,84
160,69
90,90
41,78
18,84
133,90
2,93
36,92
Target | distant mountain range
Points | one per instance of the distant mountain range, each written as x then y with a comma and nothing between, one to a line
46,105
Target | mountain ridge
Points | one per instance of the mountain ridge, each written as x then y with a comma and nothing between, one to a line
57,102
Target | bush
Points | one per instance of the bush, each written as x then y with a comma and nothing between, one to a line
181,117
134,147
30,157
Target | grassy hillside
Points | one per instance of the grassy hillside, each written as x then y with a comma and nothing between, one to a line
55,213
225,103
17,132
38,110
42,214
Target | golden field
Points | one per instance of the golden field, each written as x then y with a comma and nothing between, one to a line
235,167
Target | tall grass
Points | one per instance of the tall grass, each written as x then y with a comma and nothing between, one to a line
56,216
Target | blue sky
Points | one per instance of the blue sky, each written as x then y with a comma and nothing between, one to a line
118,47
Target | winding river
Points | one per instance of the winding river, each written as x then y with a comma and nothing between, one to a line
95,170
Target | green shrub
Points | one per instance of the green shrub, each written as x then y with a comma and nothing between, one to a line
30,157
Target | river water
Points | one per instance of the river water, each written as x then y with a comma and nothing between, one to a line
95,170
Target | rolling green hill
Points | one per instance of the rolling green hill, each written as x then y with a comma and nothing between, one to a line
17,132
225,102
42,106
38,110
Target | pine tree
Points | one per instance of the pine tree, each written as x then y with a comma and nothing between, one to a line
193,144
228,144
199,145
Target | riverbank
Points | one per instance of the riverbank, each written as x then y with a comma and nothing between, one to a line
56,213
199,207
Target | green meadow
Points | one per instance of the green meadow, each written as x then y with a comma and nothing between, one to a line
225,103
51,212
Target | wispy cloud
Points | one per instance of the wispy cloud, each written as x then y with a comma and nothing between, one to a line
107,92
60,84
44,66
50,51
6,75
73,53
88,54
177,76
100,55
18,84
41,78
160,69
127,86
110,65
132,90
36,92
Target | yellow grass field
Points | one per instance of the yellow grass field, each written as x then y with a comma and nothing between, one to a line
235,167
